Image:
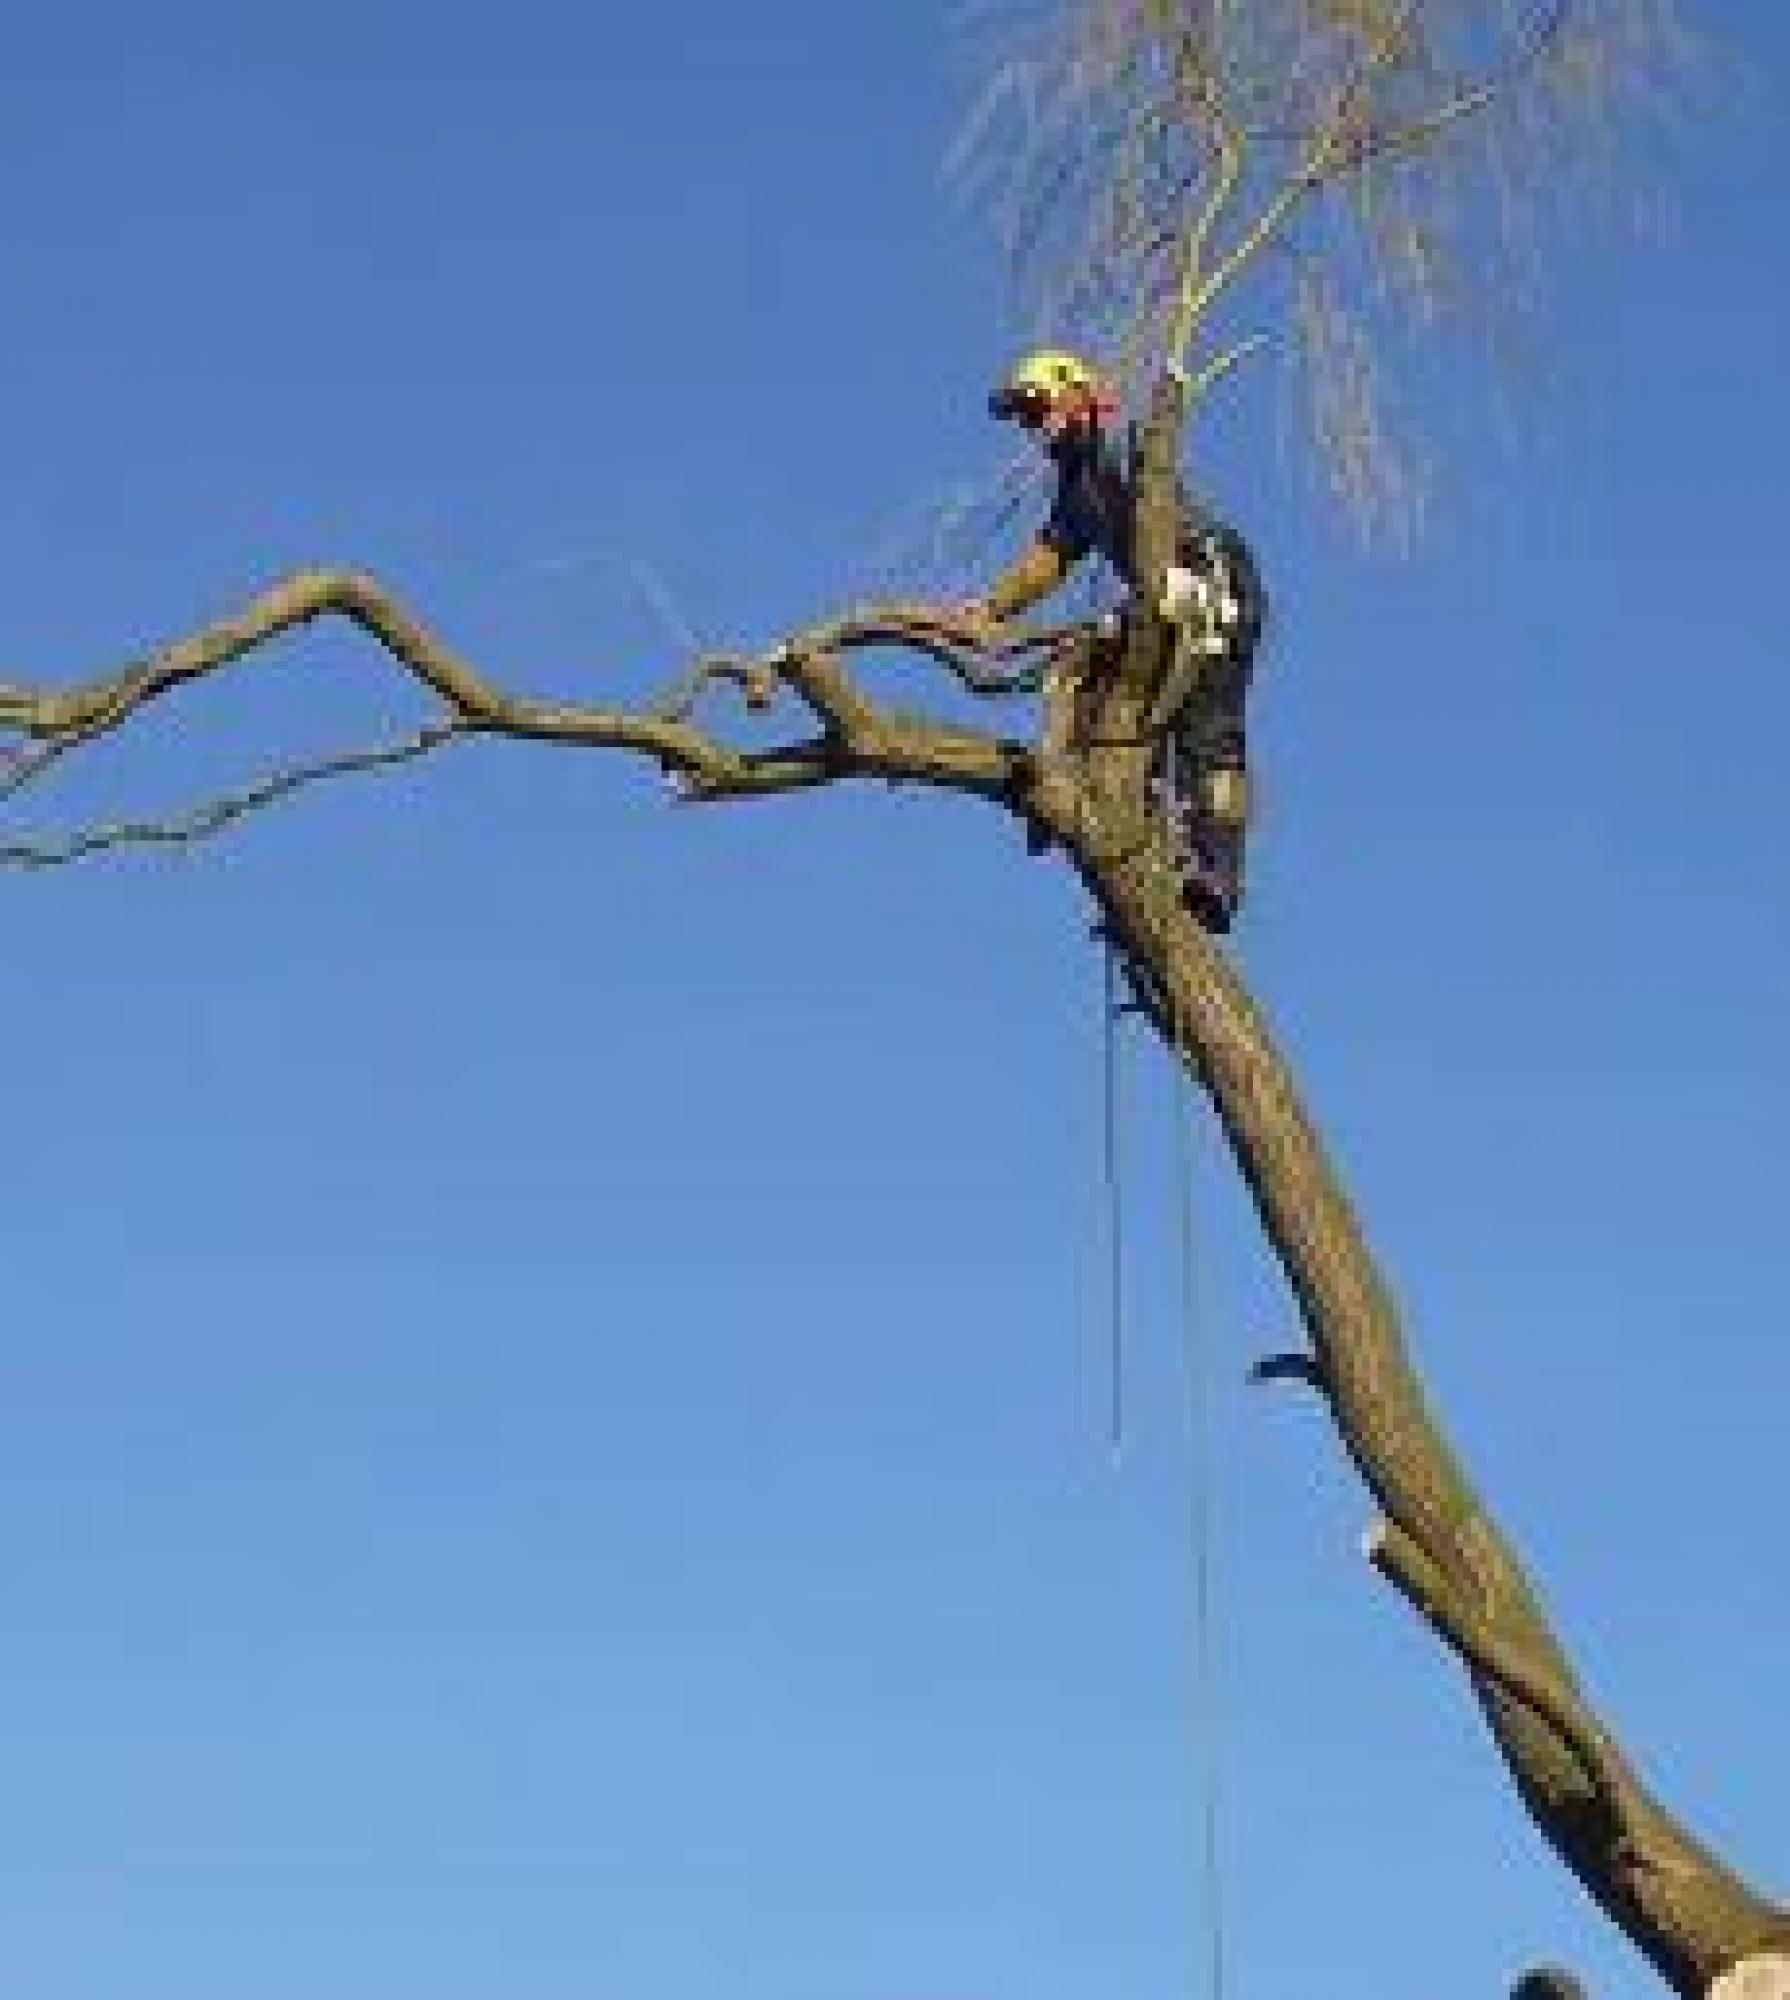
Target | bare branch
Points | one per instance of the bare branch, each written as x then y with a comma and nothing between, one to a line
964,653
1405,149
859,737
1011,661
796,768
187,829
83,713
754,680
1212,372
22,767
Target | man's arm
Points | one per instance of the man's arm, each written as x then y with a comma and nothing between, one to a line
1030,577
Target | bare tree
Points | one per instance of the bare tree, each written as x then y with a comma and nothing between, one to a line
1185,183
1214,130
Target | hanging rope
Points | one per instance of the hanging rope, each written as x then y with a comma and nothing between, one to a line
1200,1363
1200,1375
1115,1234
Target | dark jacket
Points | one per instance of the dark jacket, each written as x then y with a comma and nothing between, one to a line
1091,513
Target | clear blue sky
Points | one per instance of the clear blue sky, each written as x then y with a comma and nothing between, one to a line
551,1428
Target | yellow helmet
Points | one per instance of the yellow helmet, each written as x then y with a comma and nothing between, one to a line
1047,378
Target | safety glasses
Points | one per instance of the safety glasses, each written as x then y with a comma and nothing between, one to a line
1026,407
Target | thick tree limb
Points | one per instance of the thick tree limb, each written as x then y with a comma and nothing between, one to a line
80,714
1539,1688
1689,1914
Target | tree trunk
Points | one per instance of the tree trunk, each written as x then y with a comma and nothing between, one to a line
1691,1917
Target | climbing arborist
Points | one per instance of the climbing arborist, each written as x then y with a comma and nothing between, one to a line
1213,601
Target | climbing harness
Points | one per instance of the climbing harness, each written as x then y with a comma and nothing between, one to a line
1210,600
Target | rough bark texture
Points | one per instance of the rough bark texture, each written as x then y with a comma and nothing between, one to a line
1689,1914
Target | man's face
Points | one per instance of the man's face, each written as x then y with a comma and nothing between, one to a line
1050,418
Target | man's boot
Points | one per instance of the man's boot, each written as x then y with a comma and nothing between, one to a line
1213,885
1205,806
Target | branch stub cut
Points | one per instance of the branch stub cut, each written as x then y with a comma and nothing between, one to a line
1763,1978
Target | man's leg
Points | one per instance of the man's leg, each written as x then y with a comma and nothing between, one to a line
1205,807
1220,828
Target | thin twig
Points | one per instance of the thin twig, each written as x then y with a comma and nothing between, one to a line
203,821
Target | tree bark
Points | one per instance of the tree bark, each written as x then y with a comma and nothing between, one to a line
1080,786
1690,1916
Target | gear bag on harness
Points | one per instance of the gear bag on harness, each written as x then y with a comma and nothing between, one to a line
1216,607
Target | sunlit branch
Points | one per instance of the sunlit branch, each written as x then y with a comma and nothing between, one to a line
202,822
860,738
1201,293
755,681
1232,158
1214,371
